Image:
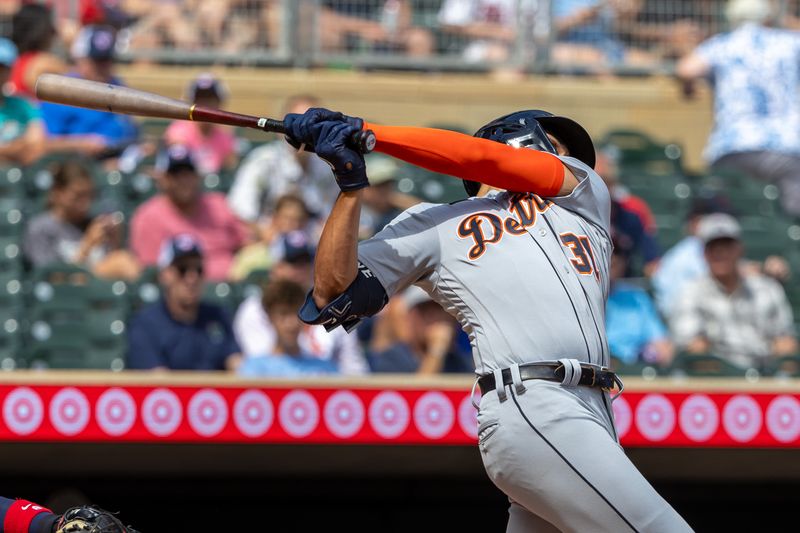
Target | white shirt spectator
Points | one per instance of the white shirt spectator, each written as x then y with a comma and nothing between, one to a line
256,337
271,171
739,326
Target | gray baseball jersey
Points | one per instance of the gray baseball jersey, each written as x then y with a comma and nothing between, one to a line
526,277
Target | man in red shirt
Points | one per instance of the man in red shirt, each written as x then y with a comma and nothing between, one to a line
184,208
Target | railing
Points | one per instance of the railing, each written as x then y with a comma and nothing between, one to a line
620,36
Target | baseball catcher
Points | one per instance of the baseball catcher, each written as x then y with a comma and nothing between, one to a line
22,516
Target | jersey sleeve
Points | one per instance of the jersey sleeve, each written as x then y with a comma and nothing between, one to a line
405,251
590,199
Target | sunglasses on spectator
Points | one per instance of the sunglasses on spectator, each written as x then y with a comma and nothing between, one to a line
184,269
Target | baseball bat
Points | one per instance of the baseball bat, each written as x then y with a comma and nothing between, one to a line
117,99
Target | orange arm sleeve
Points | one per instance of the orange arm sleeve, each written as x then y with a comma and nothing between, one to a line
472,158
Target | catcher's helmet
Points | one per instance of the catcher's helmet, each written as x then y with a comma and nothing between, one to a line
528,129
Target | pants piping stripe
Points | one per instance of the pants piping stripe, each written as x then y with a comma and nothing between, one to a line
519,408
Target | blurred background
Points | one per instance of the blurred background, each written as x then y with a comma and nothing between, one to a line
150,270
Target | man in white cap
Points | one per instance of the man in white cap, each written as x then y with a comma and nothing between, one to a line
743,318
755,71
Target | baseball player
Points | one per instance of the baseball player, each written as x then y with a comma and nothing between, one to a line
22,516
523,265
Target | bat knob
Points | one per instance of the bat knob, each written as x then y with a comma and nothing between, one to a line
364,141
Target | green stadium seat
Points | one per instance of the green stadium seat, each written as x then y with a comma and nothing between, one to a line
786,366
746,196
226,295
639,368
219,181
635,150
12,188
253,283
705,365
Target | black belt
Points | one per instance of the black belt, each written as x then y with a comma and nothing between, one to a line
590,376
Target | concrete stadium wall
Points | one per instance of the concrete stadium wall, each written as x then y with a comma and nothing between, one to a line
653,105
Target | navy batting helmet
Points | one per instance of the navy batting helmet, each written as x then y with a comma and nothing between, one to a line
529,129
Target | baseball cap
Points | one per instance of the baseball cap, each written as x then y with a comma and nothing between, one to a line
95,42
8,52
295,247
381,168
177,247
206,84
174,157
718,226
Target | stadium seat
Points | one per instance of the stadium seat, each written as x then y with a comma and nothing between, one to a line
12,191
786,366
226,295
635,150
219,181
639,368
146,289
746,196
705,365
12,321
252,284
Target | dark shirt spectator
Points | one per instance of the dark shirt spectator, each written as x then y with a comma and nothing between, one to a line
628,229
180,332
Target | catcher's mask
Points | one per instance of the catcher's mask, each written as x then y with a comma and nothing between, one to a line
529,129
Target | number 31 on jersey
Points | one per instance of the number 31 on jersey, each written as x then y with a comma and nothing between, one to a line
583,256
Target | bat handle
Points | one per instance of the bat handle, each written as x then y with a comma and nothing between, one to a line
364,141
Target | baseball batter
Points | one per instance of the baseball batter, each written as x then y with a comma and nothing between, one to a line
526,274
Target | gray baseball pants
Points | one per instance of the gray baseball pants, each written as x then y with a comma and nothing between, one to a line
554,451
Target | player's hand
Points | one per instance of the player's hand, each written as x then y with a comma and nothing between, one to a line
331,142
90,519
298,127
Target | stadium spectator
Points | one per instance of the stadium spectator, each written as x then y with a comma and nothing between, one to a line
744,318
213,145
33,32
270,171
183,207
254,327
685,261
674,32
100,132
607,168
489,26
628,229
160,24
70,232
291,215
413,334
180,331
286,357
755,74
634,328
21,128
586,34
387,26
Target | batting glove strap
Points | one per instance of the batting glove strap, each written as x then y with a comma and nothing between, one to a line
352,180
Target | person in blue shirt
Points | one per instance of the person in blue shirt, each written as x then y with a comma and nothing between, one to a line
754,71
635,330
180,332
281,300
109,133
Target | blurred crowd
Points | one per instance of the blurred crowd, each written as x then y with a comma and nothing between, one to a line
593,35
199,208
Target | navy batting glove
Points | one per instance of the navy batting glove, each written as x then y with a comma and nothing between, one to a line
332,143
298,127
